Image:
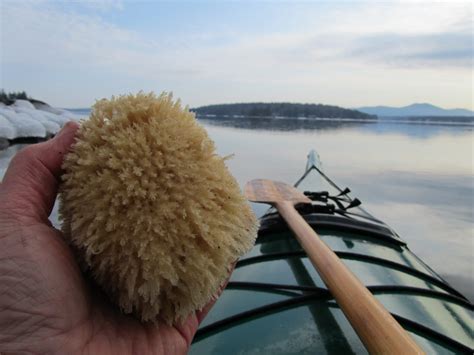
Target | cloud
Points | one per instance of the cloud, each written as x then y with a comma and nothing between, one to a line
58,37
101,5
329,47
49,38
449,49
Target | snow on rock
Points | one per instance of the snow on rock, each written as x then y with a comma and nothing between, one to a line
26,119
59,119
47,108
25,126
7,130
51,126
24,104
65,114
69,116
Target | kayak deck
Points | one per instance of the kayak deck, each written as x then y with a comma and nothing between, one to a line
276,302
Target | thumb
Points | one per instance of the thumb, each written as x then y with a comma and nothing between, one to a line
31,181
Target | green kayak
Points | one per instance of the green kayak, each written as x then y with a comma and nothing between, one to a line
276,303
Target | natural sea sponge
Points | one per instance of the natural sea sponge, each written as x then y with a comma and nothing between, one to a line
151,209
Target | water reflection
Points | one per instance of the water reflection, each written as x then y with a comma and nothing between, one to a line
415,127
283,124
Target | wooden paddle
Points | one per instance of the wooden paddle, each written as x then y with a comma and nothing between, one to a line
375,326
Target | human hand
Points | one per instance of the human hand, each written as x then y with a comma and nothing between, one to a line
46,305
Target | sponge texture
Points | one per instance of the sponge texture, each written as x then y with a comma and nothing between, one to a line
151,210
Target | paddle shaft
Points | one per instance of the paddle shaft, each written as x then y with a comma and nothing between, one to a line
375,326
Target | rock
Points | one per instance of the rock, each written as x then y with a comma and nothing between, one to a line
3,143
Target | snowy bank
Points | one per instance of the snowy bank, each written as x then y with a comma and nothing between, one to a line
24,119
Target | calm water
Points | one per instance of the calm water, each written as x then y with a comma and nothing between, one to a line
417,177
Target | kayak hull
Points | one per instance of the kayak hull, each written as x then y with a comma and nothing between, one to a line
276,302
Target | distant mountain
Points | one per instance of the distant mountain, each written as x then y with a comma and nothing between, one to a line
415,110
280,109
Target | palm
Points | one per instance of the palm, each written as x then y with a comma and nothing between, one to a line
65,312
46,304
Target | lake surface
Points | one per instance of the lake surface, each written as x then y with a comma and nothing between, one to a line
417,176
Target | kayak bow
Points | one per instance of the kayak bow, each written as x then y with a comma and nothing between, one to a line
277,303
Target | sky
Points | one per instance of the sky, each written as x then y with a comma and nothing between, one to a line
345,53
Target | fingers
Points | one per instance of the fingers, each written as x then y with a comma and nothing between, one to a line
30,184
203,312
189,328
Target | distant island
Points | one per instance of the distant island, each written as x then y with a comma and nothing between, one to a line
416,110
283,109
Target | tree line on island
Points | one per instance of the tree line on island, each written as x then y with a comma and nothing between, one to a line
10,97
255,109
284,109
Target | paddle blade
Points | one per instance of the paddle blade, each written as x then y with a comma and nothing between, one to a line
268,191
